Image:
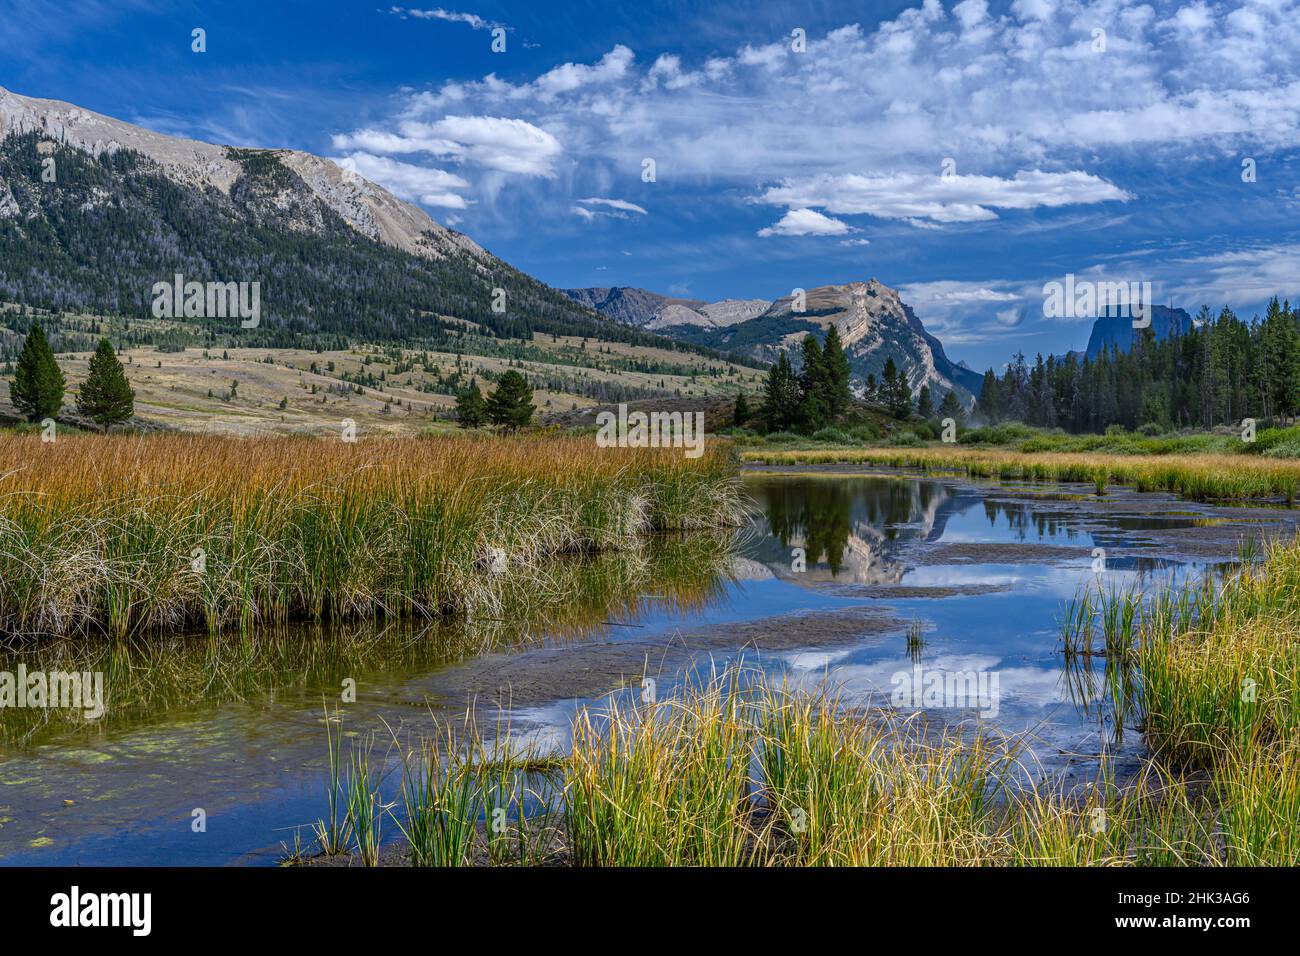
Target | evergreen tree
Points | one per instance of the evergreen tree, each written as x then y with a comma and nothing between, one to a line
1217,372
106,397
813,387
838,375
471,408
924,404
990,399
895,391
741,413
511,405
38,385
951,407
780,395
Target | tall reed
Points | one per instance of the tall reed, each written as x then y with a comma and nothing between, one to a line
158,533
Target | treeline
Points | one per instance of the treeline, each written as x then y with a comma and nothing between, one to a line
1221,371
895,394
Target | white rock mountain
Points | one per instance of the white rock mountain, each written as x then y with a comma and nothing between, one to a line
873,323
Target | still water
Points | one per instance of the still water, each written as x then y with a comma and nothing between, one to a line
825,585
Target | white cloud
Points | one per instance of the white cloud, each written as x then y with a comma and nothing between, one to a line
451,16
805,222
1014,93
620,204
1238,277
423,184
567,78
914,196
493,142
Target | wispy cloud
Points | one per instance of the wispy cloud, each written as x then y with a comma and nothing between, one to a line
450,16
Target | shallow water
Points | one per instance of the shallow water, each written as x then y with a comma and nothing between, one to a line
983,570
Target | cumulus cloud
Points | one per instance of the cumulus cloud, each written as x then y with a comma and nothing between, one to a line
859,122
805,222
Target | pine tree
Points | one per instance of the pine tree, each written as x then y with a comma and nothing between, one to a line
511,405
951,407
813,409
990,399
741,413
780,395
38,384
106,397
838,374
471,408
924,404
896,393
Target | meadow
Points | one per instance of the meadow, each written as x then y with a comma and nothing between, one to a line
157,534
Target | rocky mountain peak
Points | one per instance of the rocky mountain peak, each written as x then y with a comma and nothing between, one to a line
365,206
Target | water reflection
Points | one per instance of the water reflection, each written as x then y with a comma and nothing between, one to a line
847,529
967,580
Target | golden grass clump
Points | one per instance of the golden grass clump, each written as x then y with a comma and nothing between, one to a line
121,534
741,771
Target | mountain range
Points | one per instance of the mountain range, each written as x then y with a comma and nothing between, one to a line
873,322
94,211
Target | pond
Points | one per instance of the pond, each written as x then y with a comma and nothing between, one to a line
922,594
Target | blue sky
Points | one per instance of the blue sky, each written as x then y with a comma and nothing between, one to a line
1112,155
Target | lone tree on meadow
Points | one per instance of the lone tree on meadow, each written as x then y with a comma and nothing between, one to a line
38,385
511,405
471,409
106,397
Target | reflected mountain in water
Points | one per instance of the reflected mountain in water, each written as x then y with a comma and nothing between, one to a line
851,530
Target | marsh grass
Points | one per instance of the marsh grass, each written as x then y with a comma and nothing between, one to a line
132,534
365,806
665,785
1213,669
736,770
440,794
332,831
1197,476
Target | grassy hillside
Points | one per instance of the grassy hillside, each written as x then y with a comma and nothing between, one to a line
386,387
